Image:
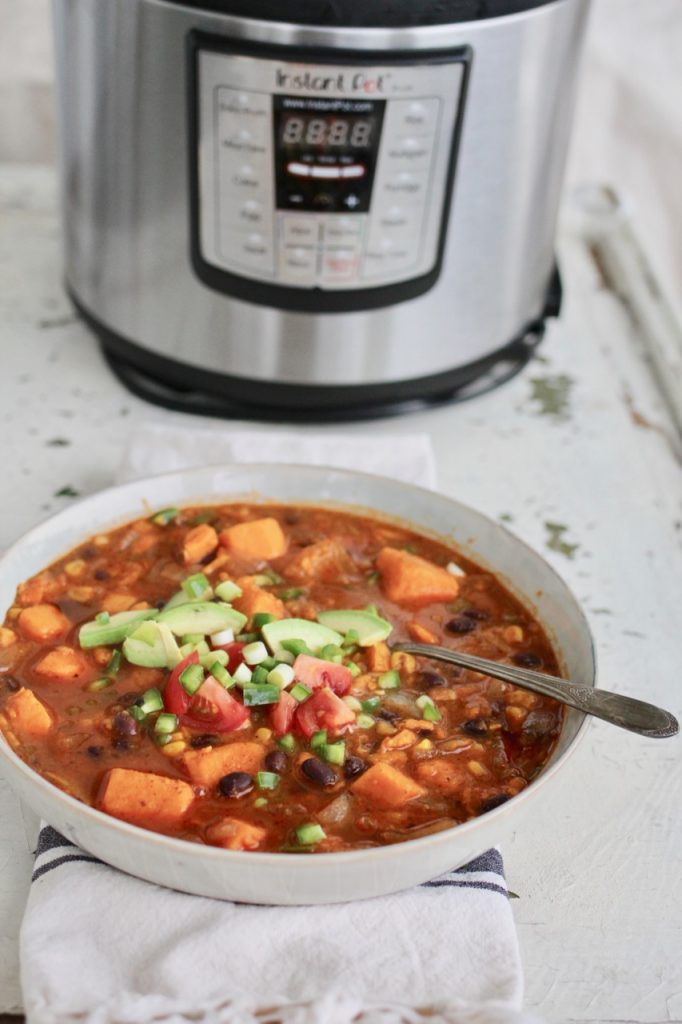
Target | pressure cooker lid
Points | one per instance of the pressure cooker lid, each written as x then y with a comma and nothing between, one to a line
368,13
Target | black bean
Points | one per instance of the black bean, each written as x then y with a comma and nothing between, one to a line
527,660
319,772
477,614
353,766
101,574
276,761
460,625
388,716
124,724
88,552
475,727
235,784
12,684
427,679
95,751
492,802
206,739
159,604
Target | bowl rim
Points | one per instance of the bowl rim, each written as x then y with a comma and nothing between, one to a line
277,859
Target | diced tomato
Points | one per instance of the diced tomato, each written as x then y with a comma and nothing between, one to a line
324,710
211,706
282,714
234,653
316,674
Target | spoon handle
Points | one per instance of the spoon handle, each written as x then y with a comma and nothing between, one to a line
628,713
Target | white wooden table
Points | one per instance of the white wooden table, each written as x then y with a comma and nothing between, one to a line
578,455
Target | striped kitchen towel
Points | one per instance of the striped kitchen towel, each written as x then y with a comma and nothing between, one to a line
101,947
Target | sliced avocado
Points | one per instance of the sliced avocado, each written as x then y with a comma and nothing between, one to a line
145,647
203,617
119,626
369,627
313,634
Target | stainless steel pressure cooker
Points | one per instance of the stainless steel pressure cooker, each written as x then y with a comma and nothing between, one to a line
325,208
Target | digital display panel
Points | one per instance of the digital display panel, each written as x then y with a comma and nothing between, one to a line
325,152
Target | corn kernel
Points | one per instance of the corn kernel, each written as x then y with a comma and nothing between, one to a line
82,594
403,662
477,769
386,729
424,745
174,748
515,715
140,606
263,735
75,568
7,637
525,699
513,634
455,745
101,540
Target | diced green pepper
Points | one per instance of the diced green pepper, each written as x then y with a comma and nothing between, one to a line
310,834
262,619
165,723
267,780
220,673
151,701
296,647
318,739
164,517
255,695
300,692
191,679
228,591
334,753
389,680
371,704
287,742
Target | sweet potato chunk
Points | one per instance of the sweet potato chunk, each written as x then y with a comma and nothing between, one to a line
325,561
199,543
43,623
254,599
259,540
410,580
233,834
43,587
28,717
385,786
206,766
63,663
143,798
7,637
118,602
379,657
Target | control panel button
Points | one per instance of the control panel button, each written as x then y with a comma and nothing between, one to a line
418,116
405,185
300,230
251,212
340,230
298,263
340,265
251,250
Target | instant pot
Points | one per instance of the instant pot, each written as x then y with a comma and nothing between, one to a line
326,208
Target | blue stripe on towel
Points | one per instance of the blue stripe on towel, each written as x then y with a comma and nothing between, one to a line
58,861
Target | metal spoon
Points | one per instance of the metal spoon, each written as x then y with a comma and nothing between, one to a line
628,713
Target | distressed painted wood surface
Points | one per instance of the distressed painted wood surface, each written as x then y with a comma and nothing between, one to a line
578,456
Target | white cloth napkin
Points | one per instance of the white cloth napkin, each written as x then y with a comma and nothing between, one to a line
101,947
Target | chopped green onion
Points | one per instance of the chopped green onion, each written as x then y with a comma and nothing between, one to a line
255,695
300,692
223,636
334,753
102,618
318,739
287,742
281,675
246,638
212,658
164,517
371,704
389,680
242,674
296,647
352,638
310,834
137,713
99,684
290,593
352,702
431,713
260,802
196,586
330,652
228,591
151,701
254,653
365,721
354,669
191,678
192,638
267,780
262,618
259,675
201,648
162,739
220,673
269,663
165,723
113,664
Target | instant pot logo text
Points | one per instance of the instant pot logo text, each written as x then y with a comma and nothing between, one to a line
341,81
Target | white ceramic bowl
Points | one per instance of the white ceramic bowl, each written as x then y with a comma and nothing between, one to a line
277,878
